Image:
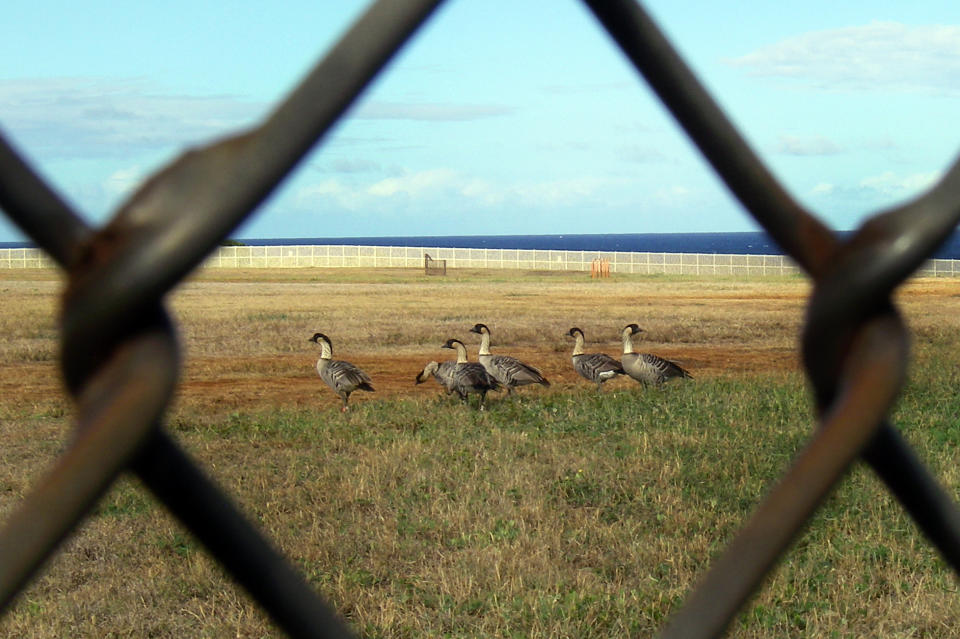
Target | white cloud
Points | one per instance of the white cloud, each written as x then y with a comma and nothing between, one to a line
421,184
886,56
893,185
430,111
359,195
552,192
823,188
87,117
122,182
587,88
330,191
352,165
876,189
809,145
641,154
482,191
439,186
673,195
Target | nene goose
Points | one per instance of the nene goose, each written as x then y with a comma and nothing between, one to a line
644,367
509,371
442,372
469,377
342,377
593,367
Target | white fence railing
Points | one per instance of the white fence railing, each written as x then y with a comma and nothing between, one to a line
514,259
343,256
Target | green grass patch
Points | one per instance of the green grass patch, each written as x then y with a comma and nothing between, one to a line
580,514
565,514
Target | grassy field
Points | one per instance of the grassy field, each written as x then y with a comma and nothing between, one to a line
558,513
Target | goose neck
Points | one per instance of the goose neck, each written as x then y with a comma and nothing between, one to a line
577,344
326,352
484,343
627,342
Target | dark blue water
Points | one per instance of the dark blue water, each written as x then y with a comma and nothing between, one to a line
748,243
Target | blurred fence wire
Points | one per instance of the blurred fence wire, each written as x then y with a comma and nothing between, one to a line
120,360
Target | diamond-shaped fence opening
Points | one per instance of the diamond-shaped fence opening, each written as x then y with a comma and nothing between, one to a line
115,328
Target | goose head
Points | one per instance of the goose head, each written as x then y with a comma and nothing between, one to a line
317,337
631,329
480,329
452,343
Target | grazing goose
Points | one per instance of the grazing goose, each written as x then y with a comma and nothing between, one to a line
342,377
593,367
442,372
509,371
469,377
644,367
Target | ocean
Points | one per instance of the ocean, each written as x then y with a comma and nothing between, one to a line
745,243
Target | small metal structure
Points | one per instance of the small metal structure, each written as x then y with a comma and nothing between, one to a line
434,267
120,358
599,268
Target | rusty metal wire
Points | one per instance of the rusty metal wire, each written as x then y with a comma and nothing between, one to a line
120,356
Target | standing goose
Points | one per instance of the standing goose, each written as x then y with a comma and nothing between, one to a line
593,367
343,377
442,372
469,377
509,371
644,367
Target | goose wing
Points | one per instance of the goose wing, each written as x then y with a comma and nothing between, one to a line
665,369
594,366
445,373
473,377
344,376
512,371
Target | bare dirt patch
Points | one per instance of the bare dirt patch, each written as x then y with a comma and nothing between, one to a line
297,384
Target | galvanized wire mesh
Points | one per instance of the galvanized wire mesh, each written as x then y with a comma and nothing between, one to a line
120,359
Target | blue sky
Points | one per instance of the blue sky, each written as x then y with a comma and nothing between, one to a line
500,117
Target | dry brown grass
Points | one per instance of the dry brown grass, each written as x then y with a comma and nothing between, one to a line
574,533
392,326
244,333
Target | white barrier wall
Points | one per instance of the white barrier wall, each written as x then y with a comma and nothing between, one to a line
25,258
515,259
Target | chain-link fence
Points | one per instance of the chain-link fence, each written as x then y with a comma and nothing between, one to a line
120,360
